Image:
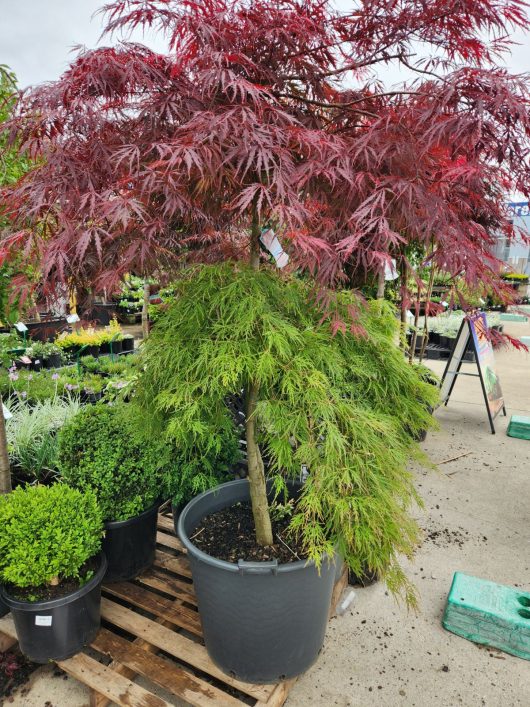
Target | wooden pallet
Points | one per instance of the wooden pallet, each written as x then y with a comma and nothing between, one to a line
151,628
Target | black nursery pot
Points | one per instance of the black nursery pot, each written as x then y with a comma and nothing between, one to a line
130,545
58,628
117,346
3,607
127,344
52,361
262,621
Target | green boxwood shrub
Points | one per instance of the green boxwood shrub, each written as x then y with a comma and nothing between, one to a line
103,449
47,533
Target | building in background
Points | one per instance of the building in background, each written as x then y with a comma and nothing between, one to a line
516,254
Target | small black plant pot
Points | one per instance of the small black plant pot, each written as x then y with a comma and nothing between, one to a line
130,545
52,361
365,579
127,344
262,621
36,365
57,629
434,337
117,346
92,350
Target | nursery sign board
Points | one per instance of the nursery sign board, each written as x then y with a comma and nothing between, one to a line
474,330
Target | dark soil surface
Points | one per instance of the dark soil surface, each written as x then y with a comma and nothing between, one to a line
48,592
230,535
15,670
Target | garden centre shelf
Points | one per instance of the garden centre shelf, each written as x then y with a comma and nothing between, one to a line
151,629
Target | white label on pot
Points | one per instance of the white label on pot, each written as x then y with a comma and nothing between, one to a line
43,620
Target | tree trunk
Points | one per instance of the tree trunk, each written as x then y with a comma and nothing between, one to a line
145,310
5,470
381,285
256,471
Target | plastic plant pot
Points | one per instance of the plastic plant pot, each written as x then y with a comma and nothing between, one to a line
52,361
262,621
130,545
116,346
3,607
57,629
127,343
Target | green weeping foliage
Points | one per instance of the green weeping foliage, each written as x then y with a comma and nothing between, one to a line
346,405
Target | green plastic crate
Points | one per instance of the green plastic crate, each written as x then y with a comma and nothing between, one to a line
519,427
489,613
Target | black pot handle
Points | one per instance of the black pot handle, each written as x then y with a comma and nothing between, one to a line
270,567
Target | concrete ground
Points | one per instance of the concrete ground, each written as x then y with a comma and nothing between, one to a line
476,520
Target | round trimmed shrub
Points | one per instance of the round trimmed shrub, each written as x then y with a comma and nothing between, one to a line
102,449
47,534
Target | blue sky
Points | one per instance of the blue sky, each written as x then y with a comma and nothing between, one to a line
37,36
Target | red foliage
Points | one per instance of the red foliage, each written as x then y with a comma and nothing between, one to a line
146,159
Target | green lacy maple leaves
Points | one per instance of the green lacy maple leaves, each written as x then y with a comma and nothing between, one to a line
345,405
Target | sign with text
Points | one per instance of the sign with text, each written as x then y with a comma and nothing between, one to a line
474,331
486,363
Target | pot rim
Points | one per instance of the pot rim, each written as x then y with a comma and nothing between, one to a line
115,524
243,567
49,604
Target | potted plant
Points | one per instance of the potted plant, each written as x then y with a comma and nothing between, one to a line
128,342
101,449
49,354
51,568
92,388
311,398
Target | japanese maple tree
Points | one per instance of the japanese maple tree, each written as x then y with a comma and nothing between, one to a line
270,112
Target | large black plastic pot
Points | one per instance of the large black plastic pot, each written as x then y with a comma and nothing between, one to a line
130,545
262,621
3,607
58,628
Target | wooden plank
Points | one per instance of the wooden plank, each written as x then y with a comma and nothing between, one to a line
8,635
177,645
170,541
340,586
108,683
159,606
179,565
279,694
166,523
162,672
166,583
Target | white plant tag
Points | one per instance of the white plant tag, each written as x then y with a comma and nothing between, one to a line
273,245
390,270
73,318
7,413
43,620
21,327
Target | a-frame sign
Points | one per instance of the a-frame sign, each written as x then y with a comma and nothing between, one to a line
474,330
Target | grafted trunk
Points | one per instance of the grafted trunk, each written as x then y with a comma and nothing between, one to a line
145,310
381,285
5,469
256,471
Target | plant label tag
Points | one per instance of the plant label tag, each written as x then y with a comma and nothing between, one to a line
273,245
390,270
43,620
21,327
7,413
72,318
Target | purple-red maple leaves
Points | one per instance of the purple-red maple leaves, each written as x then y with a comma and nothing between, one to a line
271,107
